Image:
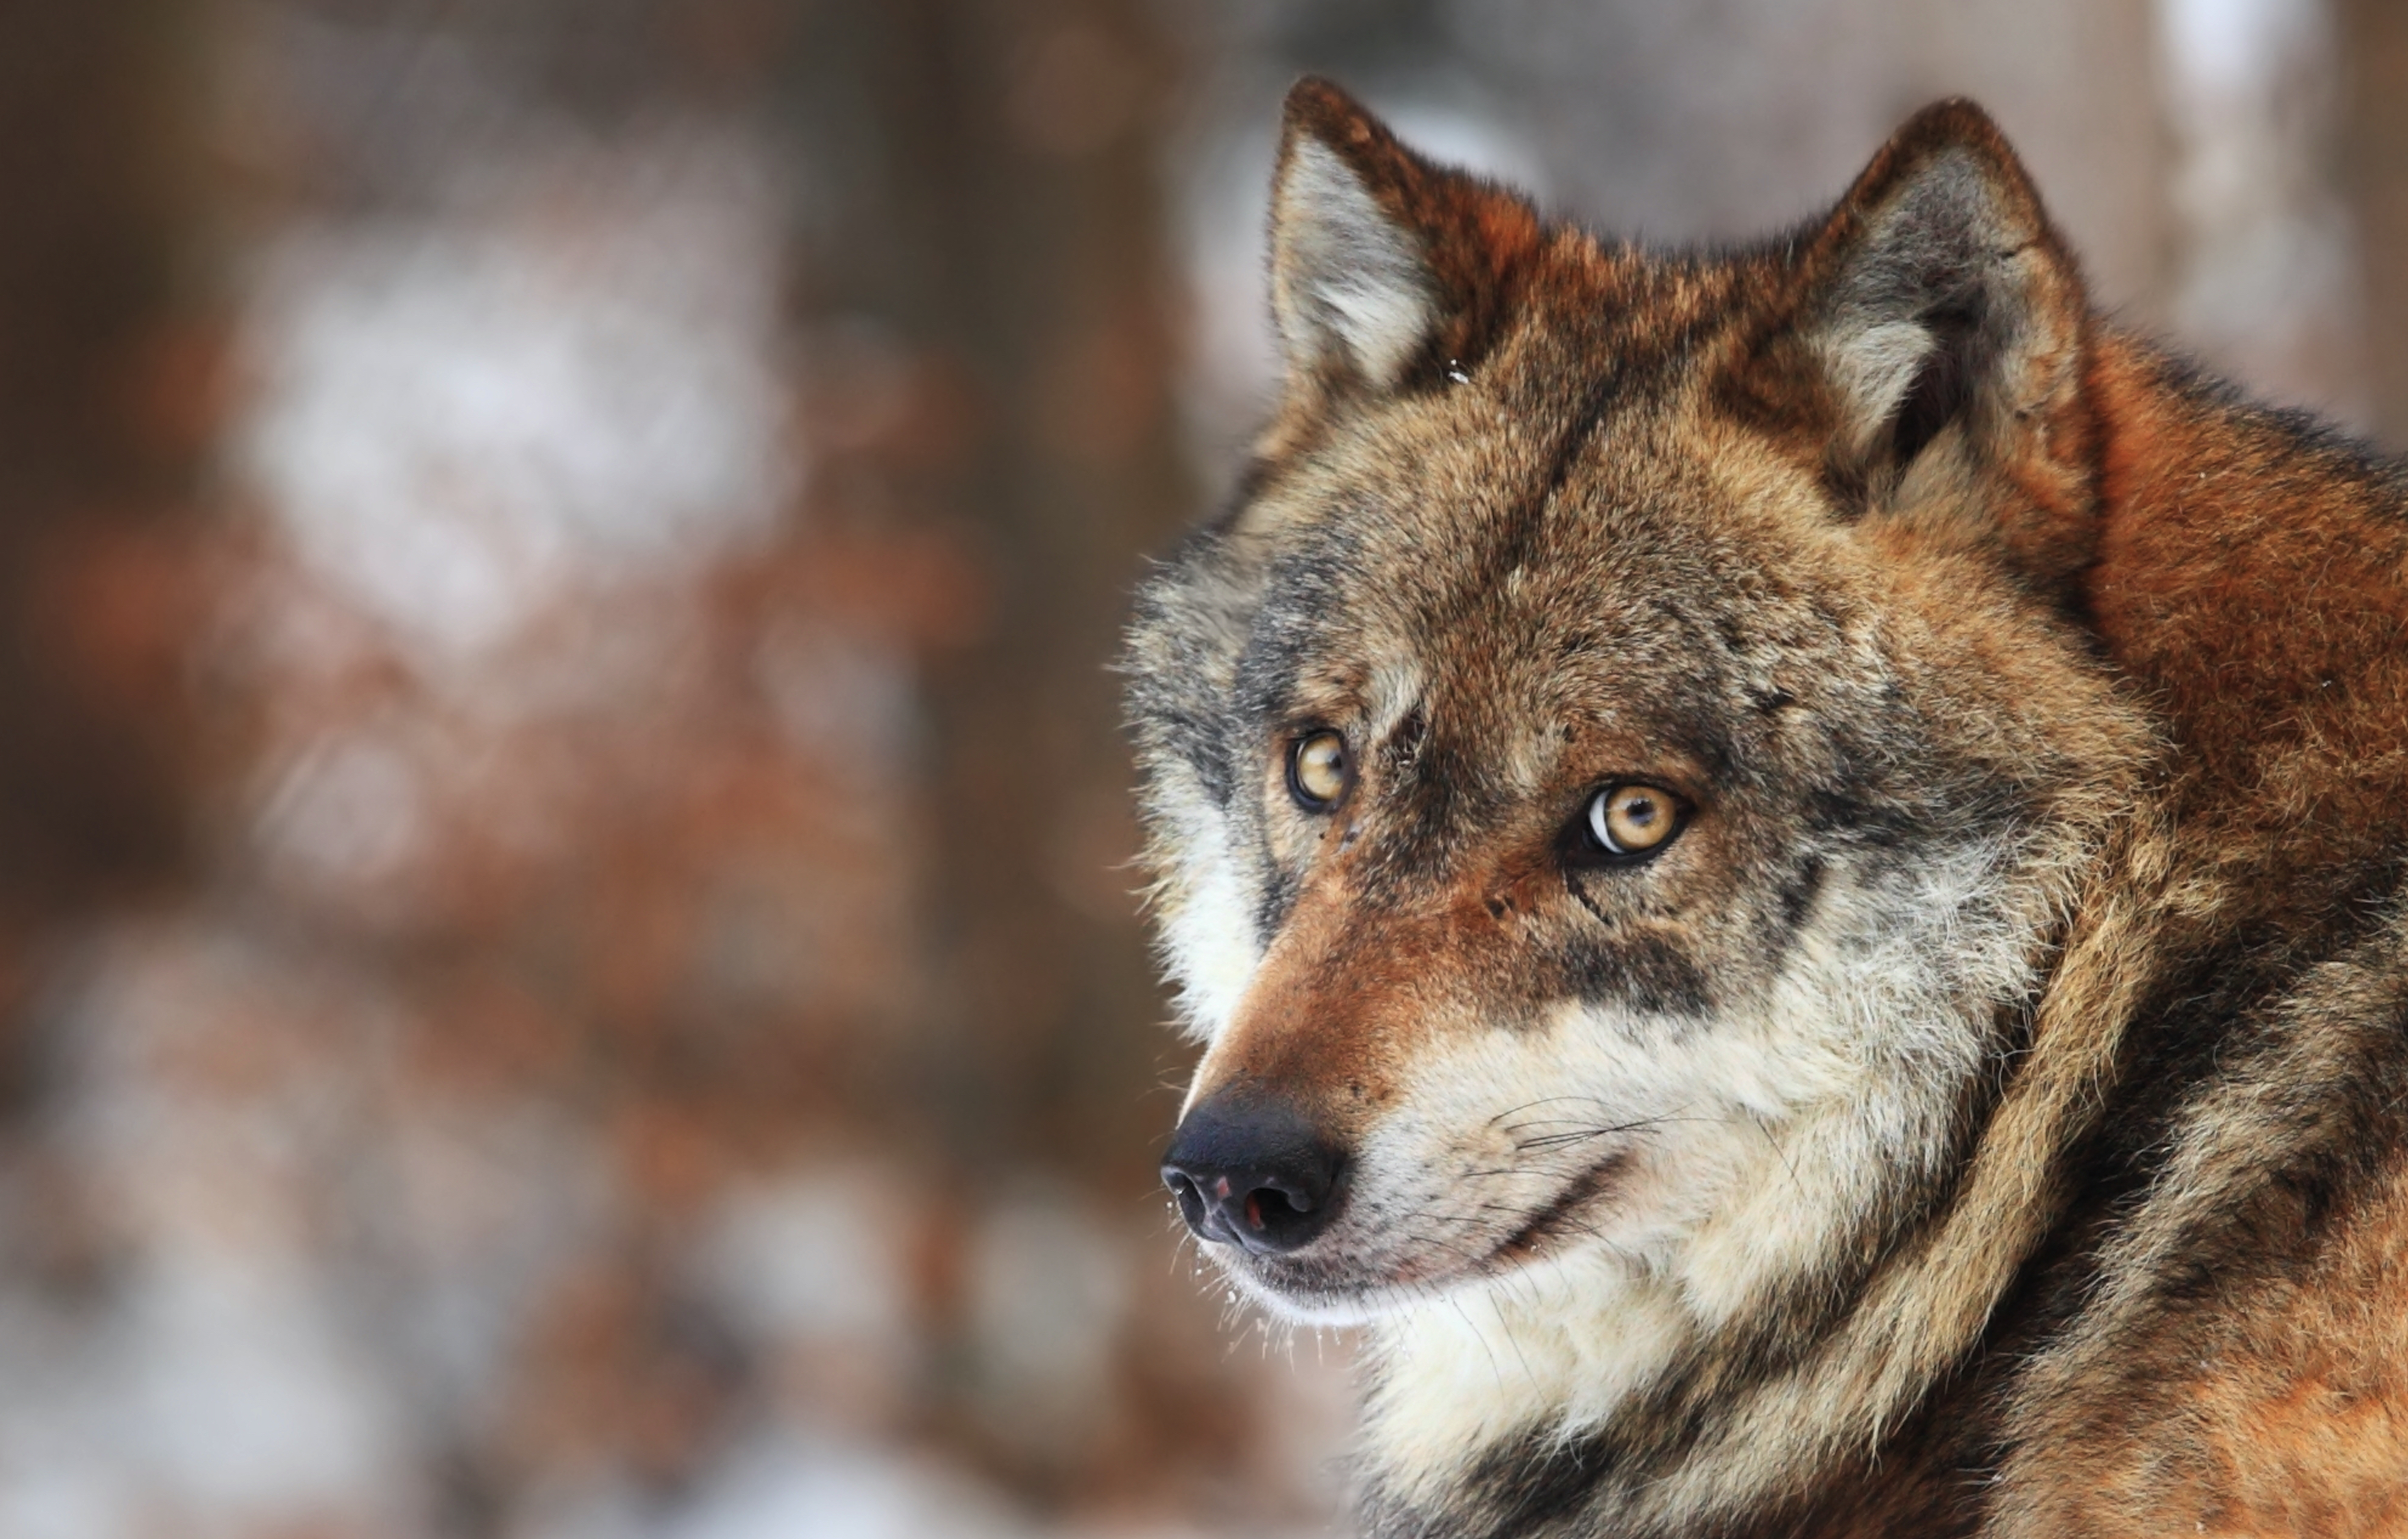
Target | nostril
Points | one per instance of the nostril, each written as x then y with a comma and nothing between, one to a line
1183,1192
1255,1173
1279,1217
1270,1209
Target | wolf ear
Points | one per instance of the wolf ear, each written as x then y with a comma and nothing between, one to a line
1378,259
1937,308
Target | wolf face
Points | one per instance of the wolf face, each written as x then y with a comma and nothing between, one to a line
1595,830
1789,866
1617,774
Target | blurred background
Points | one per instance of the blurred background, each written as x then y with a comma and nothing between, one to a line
568,968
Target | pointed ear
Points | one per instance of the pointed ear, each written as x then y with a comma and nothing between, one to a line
1944,323
1381,262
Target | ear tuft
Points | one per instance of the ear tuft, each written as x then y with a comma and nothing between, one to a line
1382,262
1380,259
1352,286
1939,294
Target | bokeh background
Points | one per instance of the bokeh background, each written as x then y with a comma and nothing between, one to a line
567,965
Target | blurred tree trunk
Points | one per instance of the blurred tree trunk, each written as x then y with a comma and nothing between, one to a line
2374,169
983,191
104,400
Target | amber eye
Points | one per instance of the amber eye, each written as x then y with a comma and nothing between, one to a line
1633,819
1318,770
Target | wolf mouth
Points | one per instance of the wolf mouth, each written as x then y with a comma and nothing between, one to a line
1558,1217
1324,1281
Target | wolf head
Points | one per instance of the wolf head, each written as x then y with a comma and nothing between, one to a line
1616,775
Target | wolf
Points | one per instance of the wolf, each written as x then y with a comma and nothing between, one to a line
1788,864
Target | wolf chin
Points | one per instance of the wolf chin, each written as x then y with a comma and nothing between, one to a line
1787,863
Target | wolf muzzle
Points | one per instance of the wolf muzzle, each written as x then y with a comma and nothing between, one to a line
1252,1170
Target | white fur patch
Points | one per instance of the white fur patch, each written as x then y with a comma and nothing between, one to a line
1874,362
1206,920
1345,276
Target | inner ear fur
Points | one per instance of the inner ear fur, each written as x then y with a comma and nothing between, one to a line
1385,268
1933,339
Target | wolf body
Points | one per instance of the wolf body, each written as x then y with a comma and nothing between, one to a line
1788,865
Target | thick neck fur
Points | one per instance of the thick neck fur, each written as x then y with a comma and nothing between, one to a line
2272,630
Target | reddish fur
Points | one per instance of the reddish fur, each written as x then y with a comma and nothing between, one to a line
2281,1409
2259,595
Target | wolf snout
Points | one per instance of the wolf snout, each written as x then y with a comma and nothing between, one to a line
1254,1171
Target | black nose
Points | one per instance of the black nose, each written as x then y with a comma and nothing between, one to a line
1252,1170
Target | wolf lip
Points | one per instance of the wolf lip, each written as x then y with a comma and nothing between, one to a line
1553,1220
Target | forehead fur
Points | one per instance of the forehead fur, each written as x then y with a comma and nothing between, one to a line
1579,510
1593,514
1595,489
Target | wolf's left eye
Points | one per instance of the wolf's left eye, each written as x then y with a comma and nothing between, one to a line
1632,819
1318,770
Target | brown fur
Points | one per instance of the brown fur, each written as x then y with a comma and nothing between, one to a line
1874,539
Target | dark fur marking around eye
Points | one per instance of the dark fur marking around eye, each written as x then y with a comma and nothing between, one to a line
1176,703
1290,627
1200,738
1837,810
1645,971
1279,888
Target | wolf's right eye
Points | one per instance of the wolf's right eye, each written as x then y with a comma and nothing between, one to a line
1633,819
1318,770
